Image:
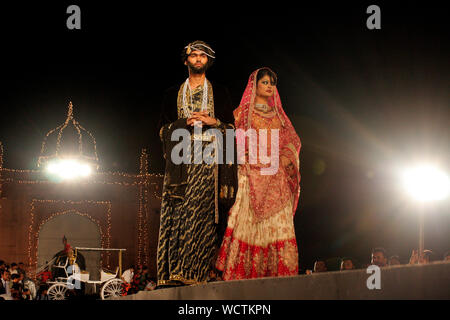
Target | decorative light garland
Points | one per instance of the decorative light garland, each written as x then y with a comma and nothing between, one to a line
33,233
106,173
146,255
61,128
1,170
156,194
139,227
21,171
143,170
144,200
142,240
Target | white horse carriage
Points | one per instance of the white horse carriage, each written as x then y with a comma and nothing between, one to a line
71,277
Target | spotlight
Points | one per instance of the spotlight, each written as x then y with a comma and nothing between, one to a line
426,183
68,169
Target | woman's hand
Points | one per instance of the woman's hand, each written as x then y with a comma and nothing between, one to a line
285,161
288,166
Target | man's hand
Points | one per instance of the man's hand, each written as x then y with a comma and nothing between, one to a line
201,116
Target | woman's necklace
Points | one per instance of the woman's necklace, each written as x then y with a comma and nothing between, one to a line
262,107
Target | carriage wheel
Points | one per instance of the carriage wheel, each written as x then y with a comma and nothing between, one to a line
58,291
112,288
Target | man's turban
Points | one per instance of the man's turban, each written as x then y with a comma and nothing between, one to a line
199,46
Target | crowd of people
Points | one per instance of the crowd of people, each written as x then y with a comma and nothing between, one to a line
15,284
137,278
379,257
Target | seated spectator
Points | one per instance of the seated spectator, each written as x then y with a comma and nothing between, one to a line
13,268
151,284
127,275
2,266
26,294
28,285
21,268
394,261
425,258
42,293
5,283
16,288
21,278
144,279
136,280
320,266
447,256
347,264
213,276
127,278
379,257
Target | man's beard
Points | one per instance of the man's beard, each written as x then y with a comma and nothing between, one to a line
196,70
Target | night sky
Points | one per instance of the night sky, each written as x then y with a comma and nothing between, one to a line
364,102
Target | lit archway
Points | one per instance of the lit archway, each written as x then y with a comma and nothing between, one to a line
80,232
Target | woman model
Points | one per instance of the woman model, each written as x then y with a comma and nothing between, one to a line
260,238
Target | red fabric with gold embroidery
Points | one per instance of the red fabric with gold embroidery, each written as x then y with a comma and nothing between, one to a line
260,237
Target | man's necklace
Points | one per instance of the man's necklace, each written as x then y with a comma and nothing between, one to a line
186,111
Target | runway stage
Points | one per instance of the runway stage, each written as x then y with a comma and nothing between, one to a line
430,281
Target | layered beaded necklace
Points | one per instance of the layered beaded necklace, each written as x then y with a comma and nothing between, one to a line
186,111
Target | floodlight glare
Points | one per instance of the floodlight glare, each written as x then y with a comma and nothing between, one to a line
426,183
69,169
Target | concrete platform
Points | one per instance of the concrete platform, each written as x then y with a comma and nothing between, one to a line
430,281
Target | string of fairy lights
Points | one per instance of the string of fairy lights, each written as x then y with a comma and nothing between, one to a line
140,240
78,127
33,231
139,179
142,221
1,170
141,182
105,173
146,254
